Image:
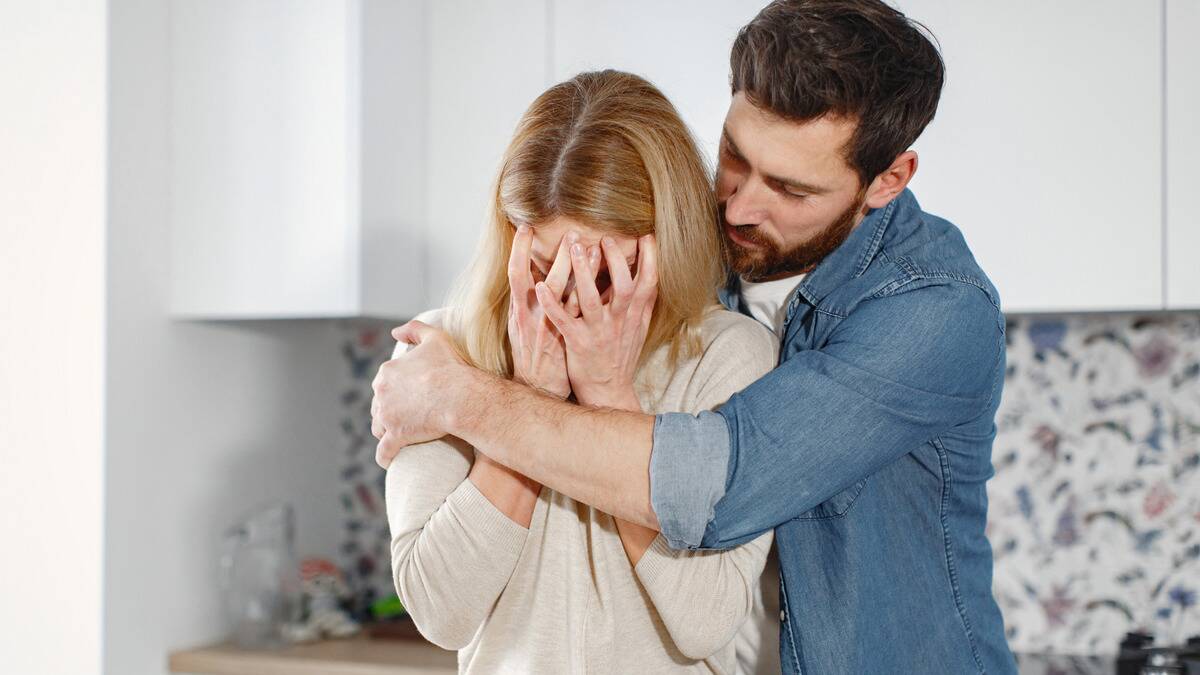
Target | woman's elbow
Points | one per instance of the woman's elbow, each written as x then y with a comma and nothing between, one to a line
701,645
699,638
443,632
446,629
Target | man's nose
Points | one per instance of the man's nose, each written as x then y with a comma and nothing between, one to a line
744,206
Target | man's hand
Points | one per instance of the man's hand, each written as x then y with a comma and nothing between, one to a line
415,393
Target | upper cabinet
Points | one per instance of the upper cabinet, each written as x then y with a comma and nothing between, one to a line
339,158
297,162
1047,148
1183,147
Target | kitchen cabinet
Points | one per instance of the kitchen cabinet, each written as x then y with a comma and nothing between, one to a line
1182,147
488,60
1047,148
297,178
335,159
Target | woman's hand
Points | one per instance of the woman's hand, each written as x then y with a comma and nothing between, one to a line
539,358
603,345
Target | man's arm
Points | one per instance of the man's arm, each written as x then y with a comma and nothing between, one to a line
597,456
898,372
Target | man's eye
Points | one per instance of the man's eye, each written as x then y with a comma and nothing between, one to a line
794,195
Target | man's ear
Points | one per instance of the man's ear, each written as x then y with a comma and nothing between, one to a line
892,180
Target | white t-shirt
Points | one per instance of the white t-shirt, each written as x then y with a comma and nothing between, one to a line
767,300
757,642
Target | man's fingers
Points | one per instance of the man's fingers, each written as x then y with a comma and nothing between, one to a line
585,283
386,450
414,332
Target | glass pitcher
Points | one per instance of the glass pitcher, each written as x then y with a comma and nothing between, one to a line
259,577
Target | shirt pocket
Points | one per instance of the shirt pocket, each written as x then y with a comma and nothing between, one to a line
837,505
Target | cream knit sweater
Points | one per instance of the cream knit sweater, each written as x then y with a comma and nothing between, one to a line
561,596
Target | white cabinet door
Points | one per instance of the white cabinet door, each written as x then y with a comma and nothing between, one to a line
259,185
294,151
1183,147
681,46
1047,147
487,64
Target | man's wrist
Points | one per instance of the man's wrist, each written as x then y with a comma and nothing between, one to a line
466,390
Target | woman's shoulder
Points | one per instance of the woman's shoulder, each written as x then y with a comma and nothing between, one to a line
725,331
434,317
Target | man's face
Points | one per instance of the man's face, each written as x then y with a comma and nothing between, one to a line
786,195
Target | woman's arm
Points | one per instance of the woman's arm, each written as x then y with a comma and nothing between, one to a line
453,549
510,492
716,586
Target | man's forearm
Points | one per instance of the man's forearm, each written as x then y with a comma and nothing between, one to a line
597,456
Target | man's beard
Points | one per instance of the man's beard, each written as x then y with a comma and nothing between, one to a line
767,261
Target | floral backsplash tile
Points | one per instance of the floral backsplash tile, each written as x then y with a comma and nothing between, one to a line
1095,505
1094,508
364,555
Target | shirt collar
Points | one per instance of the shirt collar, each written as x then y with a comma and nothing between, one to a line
848,261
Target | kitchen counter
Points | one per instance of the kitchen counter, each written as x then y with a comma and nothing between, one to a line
360,655
365,655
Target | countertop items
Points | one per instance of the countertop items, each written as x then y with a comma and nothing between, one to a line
362,655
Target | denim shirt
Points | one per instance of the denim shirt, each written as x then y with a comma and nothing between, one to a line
867,449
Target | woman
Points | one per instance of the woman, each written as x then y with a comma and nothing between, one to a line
602,204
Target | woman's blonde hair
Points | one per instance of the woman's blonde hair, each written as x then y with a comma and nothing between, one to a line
607,149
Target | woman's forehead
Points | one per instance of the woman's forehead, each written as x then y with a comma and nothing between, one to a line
547,236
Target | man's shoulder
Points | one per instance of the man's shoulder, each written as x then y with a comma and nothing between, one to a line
922,249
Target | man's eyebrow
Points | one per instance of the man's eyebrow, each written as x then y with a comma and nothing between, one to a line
778,180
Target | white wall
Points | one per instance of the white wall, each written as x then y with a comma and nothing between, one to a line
205,419
52,177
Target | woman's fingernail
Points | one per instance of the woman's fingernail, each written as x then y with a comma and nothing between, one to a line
572,237
608,241
576,249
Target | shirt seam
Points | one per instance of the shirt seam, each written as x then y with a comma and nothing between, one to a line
787,612
951,567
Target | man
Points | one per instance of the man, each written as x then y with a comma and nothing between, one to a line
868,448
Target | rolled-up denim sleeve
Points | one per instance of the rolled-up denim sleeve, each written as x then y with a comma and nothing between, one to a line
688,466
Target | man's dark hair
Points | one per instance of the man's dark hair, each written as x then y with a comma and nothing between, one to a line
802,59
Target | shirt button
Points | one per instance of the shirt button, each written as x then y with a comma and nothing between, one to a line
782,615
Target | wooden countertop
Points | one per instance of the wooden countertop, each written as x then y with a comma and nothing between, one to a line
360,655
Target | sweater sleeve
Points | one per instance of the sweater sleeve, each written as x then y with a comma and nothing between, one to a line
704,596
453,551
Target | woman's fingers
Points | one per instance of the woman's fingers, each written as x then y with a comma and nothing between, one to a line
573,305
585,283
520,282
553,309
646,283
560,270
618,275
